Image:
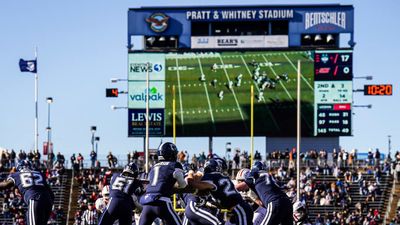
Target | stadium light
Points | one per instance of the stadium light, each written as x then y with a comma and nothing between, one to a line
307,37
49,100
329,38
317,38
113,107
162,38
93,130
363,106
172,38
365,77
151,40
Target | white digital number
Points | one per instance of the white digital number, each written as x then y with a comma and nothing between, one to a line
228,188
28,179
345,58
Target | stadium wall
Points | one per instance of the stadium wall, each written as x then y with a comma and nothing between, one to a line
282,143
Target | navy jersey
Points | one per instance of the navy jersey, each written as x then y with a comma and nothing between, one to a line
124,187
265,186
161,178
224,192
32,184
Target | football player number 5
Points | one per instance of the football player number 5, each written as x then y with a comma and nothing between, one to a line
30,179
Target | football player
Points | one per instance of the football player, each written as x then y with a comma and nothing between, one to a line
162,178
101,203
35,190
197,212
299,213
278,205
251,197
224,193
123,186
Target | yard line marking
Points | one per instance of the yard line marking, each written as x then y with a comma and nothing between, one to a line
179,90
295,68
233,91
258,89
273,71
208,97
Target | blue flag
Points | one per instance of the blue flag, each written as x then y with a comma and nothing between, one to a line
28,65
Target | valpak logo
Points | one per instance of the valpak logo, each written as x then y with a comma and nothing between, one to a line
154,96
143,68
158,22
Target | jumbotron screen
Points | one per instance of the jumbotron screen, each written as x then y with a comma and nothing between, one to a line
213,89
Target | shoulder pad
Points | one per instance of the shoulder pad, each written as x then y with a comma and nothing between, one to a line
178,165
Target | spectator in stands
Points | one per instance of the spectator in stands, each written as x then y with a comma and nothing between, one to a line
21,155
60,158
236,160
257,156
397,171
110,160
50,159
377,157
377,175
80,160
93,158
72,159
370,157
12,158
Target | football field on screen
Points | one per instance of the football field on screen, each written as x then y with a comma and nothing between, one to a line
201,109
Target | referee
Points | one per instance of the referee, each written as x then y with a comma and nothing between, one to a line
90,216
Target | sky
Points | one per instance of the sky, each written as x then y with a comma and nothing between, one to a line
82,44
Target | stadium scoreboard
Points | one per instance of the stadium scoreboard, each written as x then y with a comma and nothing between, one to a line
212,55
333,92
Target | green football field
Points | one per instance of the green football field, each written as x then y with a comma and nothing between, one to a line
201,112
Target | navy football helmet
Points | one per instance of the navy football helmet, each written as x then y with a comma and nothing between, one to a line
212,166
24,165
258,165
167,152
131,170
221,162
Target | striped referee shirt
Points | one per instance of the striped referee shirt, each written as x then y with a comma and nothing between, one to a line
90,217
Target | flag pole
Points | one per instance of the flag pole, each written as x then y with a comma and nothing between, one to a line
298,131
36,103
251,126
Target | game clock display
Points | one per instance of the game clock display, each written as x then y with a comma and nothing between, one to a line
378,89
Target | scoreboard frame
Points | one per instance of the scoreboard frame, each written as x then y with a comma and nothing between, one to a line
288,28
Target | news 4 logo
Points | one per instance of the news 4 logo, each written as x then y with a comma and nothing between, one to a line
143,67
158,67
158,22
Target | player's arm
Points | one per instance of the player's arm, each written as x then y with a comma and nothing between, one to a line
242,186
9,183
179,177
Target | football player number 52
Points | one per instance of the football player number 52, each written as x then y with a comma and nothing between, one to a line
30,179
